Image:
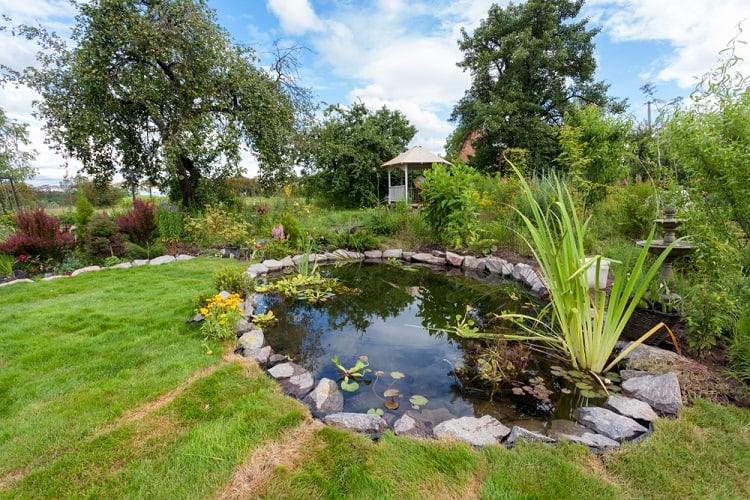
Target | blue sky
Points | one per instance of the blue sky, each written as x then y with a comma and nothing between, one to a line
403,54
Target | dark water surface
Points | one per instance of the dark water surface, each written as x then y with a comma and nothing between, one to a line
398,320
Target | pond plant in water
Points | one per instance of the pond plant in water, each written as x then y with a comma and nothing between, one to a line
583,325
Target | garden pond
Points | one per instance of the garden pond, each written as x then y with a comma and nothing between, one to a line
391,343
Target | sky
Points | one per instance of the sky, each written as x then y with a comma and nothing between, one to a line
403,53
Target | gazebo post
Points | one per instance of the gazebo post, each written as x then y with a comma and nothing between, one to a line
406,183
389,187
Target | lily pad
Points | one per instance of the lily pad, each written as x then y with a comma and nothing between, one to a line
576,373
397,375
391,404
375,411
416,401
391,393
584,386
589,394
379,373
349,385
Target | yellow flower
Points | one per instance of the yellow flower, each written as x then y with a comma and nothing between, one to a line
204,311
222,322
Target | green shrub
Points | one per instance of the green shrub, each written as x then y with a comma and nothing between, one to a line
170,222
278,249
739,348
233,280
385,221
452,203
6,264
102,239
291,229
84,210
134,251
71,262
358,240
217,226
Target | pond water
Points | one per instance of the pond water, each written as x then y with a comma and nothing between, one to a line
398,320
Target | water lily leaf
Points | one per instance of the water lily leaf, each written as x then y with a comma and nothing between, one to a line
397,375
363,358
379,373
391,404
349,385
614,376
584,386
391,393
416,400
375,411
589,394
576,373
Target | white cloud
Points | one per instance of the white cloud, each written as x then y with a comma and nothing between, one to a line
295,16
697,30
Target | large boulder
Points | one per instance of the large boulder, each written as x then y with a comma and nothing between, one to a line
326,398
630,407
609,423
358,422
409,426
662,392
476,431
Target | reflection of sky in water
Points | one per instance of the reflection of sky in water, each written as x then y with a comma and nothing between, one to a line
397,343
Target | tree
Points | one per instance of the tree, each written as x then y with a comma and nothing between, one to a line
349,143
529,65
155,89
14,160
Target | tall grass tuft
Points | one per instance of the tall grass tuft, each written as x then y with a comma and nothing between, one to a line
583,324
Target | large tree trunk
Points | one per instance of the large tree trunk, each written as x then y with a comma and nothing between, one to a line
187,178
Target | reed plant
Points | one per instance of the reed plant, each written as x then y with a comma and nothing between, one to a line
581,323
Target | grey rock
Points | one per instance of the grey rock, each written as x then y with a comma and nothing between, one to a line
87,269
287,262
473,263
393,253
644,351
299,384
428,258
662,392
407,256
259,355
476,431
184,257
518,433
326,398
359,422
122,265
373,254
609,423
454,259
628,374
518,271
243,325
164,259
256,270
632,408
409,426
285,370
496,265
272,265
46,278
140,262
224,294
252,340
591,440
276,359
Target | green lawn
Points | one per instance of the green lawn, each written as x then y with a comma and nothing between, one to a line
105,391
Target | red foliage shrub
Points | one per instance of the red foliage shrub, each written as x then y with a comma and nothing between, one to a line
37,234
139,225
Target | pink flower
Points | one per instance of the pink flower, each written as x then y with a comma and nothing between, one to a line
278,232
22,257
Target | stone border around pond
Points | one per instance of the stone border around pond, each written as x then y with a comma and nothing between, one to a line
623,418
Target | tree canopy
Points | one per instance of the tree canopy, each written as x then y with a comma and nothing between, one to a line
529,64
15,160
348,144
156,89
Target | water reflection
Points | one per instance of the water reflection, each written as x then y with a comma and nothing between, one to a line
398,321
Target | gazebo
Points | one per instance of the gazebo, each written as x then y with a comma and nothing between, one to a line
417,159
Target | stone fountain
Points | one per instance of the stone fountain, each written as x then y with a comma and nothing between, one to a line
669,226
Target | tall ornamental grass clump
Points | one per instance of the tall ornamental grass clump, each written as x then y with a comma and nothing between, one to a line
583,324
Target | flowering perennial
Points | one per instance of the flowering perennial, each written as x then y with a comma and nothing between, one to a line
221,315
